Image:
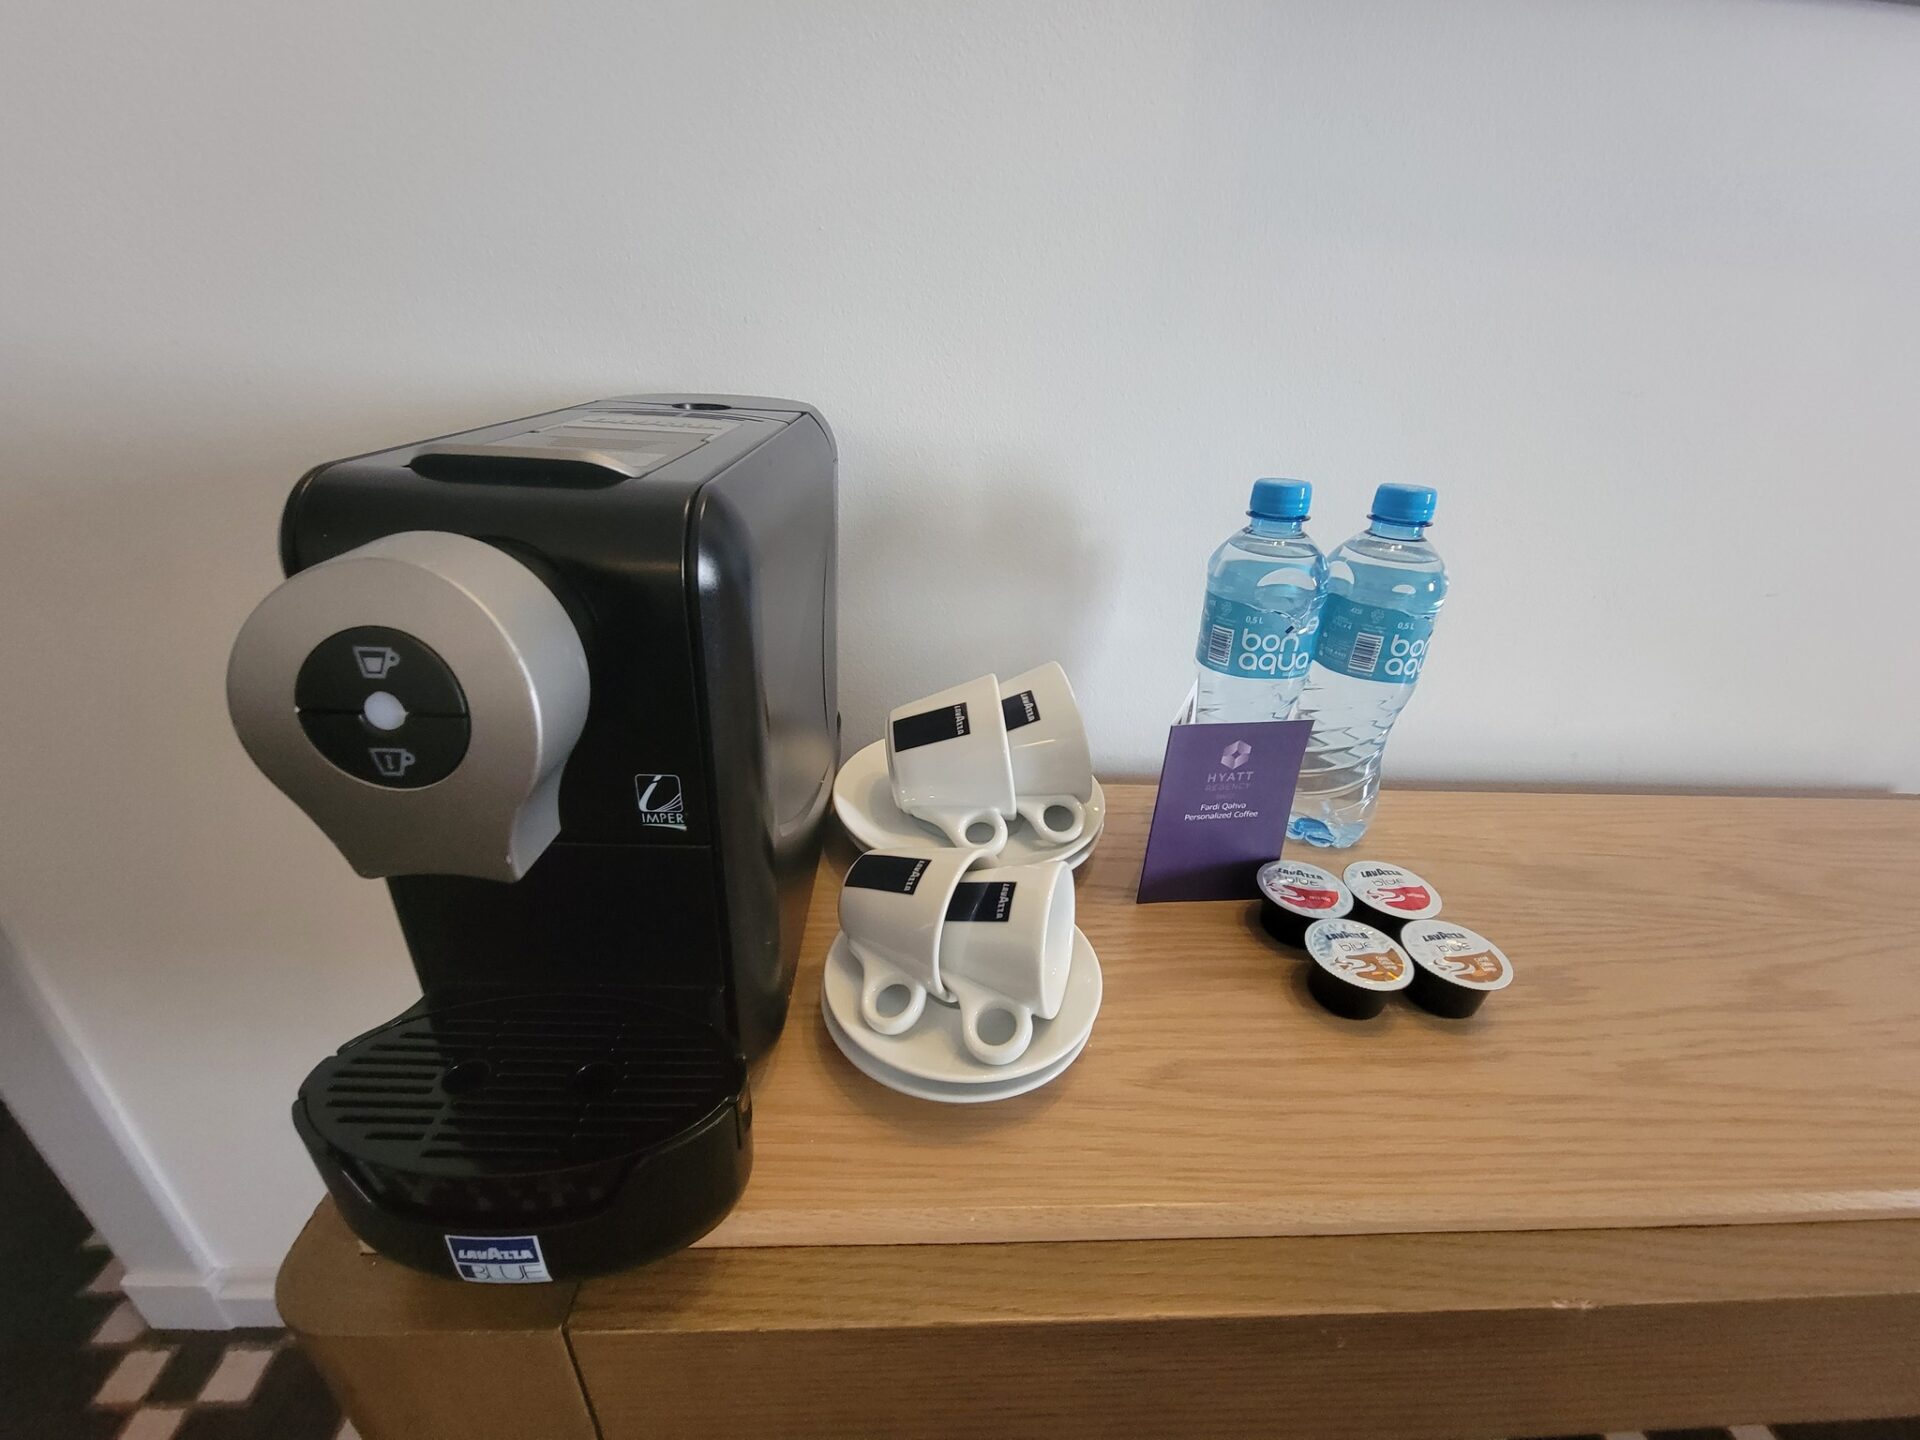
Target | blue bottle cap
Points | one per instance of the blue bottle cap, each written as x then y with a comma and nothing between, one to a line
1280,500
1404,504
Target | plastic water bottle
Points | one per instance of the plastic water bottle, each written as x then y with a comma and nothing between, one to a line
1263,601
1384,591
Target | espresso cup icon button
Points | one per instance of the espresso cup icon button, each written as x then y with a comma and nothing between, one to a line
345,669
382,706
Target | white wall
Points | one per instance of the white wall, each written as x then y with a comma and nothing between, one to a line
1636,283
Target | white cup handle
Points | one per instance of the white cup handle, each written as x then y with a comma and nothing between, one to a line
956,823
1033,809
875,979
975,1006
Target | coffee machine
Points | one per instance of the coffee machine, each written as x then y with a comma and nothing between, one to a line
567,684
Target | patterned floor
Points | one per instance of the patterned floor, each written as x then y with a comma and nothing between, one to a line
77,1362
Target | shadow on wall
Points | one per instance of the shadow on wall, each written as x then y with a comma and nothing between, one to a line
123,760
943,578
205,940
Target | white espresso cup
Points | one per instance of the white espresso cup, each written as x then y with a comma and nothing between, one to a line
947,758
1047,743
893,908
1005,954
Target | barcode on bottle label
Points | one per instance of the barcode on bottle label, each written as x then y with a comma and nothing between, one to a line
1365,656
1372,642
1220,645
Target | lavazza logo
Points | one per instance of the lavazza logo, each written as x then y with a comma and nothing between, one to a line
498,1259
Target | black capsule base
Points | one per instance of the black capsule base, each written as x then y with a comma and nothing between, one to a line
1439,996
1283,925
1350,1002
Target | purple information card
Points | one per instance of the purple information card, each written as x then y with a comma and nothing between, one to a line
1225,793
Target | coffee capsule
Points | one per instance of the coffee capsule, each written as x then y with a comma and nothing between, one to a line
1388,896
1293,895
1355,967
1454,968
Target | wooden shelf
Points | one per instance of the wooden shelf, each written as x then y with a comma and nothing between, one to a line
1243,1217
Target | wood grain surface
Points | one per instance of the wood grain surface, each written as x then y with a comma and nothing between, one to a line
1389,1337
1713,1019
1401,1336
415,1357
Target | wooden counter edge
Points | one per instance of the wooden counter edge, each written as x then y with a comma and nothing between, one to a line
1375,1335
417,1357
1526,1332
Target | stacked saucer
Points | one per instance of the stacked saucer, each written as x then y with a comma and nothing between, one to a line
863,799
1003,767
956,980
931,1061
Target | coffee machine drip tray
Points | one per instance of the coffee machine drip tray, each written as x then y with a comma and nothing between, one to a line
599,1127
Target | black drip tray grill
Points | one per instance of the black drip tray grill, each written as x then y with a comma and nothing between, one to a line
516,1108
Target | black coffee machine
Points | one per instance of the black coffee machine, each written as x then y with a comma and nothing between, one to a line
567,683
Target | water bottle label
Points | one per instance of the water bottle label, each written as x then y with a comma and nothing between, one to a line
1372,642
1237,639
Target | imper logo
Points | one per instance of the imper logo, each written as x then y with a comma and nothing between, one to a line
662,802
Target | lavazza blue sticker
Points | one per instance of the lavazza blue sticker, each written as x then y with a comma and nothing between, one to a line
498,1259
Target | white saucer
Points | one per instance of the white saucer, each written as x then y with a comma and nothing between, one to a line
933,1051
863,799
979,1093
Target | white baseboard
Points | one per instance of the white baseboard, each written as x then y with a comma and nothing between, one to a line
174,1300
75,1121
70,1113
224,1300
247,1298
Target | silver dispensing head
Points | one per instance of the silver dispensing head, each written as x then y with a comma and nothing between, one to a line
418,697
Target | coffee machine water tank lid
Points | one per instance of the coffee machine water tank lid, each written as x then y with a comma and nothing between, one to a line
586,448
418,698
